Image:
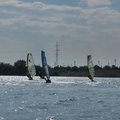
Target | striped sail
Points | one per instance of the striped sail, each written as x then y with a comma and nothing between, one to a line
90,65
31,65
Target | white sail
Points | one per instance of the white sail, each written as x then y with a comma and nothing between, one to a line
31,65
90,65
44,64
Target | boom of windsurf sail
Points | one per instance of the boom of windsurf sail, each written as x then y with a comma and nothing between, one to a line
30,66
91,71
44,64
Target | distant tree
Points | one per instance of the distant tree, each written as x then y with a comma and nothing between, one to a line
83,68
106,67
97,67
114,67
20,67
38,68
75,69
6,69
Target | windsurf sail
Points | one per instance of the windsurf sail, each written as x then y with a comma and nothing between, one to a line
91,71
45,65
30,65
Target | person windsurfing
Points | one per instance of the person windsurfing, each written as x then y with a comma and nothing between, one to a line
42,76
90,66
45,66
90,77
30,67
28,74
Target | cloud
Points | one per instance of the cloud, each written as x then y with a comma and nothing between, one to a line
37,5
61,15
66,26
10,21
103,15
96,3
8,2
5,1
81,29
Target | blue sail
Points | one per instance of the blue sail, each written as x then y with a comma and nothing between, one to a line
43,58
44,64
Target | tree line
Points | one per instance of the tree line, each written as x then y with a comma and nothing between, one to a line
19,68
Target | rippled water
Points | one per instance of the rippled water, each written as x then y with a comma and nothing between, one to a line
66,98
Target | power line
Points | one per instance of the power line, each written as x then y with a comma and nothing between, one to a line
115,62
57,54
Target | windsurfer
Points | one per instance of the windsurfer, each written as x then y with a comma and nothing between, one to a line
41,74
48,81
90,77
29,76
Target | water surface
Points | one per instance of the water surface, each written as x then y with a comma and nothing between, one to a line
66,98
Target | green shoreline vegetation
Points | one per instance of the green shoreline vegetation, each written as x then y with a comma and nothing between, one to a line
19,68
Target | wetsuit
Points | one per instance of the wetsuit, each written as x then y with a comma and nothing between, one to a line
48,81
42,77
90,78
28,74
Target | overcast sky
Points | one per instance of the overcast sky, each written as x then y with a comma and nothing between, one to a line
81,27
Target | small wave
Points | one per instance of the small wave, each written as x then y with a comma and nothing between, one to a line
64,82
101,101
52,93
43,107
51,118
2,118
66,101
93,83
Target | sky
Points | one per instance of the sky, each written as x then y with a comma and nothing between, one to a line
81,27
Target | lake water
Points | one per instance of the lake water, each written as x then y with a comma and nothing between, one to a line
66,98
